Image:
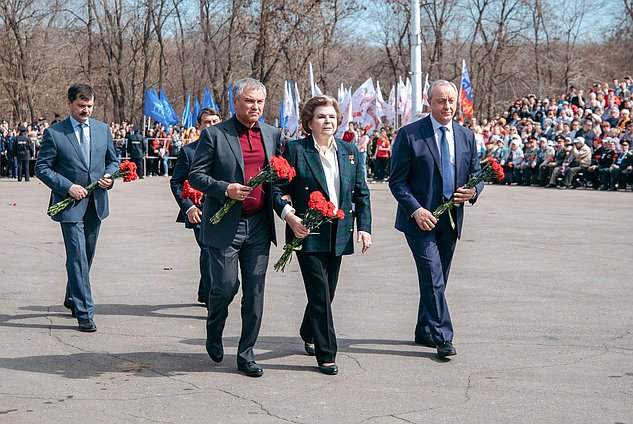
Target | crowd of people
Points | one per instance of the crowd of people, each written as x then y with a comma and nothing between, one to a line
580,138
157,146
573,140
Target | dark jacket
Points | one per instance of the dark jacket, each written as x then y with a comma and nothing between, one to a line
353,198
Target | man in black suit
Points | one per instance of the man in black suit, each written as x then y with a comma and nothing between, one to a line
137,149
23,151
190,213
432,160
75,152
228,154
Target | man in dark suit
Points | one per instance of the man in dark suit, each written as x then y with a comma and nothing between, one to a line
190,213
75,152
431,161
137,149
23,151
228,154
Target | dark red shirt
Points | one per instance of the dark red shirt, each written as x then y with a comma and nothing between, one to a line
254,160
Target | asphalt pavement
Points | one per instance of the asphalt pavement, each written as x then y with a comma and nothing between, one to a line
541,295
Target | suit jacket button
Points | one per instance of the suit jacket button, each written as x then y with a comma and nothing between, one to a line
307,188
350,211
351,230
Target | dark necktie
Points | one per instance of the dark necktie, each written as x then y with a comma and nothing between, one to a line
84,143
448,181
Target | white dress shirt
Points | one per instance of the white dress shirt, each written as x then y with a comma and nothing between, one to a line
329,161
450,137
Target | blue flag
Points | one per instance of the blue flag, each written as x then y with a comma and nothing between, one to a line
186,113
154,108
171,113
206,99
231,106
282,121
196,112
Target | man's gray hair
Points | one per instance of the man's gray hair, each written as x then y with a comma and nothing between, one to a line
240,85
438,83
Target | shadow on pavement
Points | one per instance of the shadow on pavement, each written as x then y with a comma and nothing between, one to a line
168,364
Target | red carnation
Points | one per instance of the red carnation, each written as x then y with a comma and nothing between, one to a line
282,168
320,210
127,171
278,168
191,193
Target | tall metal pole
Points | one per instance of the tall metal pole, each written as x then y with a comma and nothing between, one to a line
416,60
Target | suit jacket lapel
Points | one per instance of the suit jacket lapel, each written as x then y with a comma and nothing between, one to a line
94,139
427,134
233,140
72,137
314,163
267,139
459,149
344,168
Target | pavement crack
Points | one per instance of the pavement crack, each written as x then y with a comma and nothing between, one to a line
347,355
149,419
261,406
394,416
56,337
469,385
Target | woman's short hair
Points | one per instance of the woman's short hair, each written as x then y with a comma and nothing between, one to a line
307,112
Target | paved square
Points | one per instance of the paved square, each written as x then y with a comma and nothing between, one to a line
541,294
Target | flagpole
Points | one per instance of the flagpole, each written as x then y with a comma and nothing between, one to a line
416,59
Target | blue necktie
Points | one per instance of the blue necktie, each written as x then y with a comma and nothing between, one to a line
448,181
85,144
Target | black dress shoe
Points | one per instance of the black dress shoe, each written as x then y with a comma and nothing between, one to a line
87,326
309,347
251,369
329,369
215,351
70,306
425,340
446,349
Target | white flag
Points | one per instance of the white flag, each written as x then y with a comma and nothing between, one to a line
407,113
297,105
391,106
314,88
346,110
381,105
402,97
425,92
361,98
290,110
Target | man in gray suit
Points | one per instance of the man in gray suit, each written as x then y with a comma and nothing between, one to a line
74,153
228,154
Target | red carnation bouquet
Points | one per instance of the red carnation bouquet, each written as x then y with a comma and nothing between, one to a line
127,171
490,170
320,210
277,169
191,193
